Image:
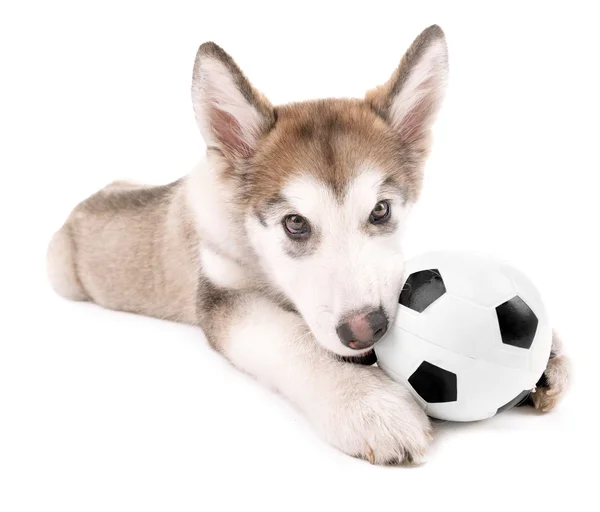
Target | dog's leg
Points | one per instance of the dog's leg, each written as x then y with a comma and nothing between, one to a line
358,409
555,381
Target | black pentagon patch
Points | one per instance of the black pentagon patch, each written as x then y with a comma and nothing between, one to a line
517,323
434,384
422,289
515,402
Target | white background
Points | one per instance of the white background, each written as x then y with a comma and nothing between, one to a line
109,411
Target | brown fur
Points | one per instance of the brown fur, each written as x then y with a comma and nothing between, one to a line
330,140
134,249
192,251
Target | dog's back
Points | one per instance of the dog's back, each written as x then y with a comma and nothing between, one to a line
129,247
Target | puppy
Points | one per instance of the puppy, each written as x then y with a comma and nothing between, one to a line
284,244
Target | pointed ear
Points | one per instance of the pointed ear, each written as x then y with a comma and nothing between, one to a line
410,99
230,113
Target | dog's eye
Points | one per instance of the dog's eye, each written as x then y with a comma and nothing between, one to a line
380,213
296,226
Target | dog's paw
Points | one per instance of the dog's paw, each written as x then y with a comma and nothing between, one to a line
556,379
553,384
374,418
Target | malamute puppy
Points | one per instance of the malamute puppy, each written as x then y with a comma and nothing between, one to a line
284,244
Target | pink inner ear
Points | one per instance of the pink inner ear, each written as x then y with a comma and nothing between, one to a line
415,123
229,133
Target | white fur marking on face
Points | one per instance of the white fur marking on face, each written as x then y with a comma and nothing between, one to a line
314,199
363,193
351,269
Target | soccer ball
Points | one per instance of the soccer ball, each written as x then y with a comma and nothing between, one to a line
471,337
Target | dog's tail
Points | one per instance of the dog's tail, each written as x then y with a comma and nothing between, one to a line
61,265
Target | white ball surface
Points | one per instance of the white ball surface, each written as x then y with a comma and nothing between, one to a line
471,335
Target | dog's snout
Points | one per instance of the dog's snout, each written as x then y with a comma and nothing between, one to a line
378,322
361,330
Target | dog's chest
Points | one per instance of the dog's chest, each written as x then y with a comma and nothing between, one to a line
224,272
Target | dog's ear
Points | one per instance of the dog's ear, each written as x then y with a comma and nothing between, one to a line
410,99
231,114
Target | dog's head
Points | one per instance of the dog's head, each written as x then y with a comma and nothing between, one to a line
325,186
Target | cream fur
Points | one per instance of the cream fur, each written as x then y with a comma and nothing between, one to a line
200,251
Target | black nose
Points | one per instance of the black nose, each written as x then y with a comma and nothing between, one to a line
362,329
378,322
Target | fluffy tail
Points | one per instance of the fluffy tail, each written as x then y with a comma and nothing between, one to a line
61,266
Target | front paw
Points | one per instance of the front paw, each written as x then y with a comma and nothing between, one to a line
553,384
555,381
374,418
